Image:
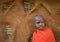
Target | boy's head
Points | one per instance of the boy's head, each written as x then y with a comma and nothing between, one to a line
39,21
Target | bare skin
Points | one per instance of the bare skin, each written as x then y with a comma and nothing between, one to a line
39,22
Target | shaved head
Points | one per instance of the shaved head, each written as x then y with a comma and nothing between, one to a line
37,17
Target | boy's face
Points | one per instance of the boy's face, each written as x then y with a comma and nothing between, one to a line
40,23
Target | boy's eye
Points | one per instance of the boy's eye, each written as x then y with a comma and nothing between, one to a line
38,22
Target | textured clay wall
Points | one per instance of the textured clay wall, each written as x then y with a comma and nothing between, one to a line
22,23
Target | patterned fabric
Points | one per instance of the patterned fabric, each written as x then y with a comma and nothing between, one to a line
44,35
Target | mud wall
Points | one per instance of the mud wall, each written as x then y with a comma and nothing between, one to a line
22,23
